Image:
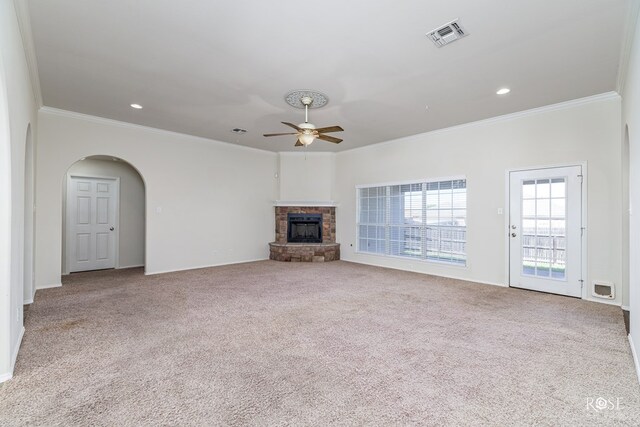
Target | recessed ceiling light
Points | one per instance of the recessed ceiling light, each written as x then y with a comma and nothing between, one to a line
503,91
239,131
136,106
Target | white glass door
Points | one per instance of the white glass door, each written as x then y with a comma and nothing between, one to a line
545,231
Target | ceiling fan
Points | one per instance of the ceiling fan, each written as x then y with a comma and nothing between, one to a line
307,132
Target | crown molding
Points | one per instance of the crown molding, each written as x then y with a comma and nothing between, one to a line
127,125
629,31
504,118
24,23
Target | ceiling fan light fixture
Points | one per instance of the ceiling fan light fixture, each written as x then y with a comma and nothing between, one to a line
308,132
306,138
307,125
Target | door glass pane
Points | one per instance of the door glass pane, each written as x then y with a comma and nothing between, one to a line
529,189
558,187
543,228
543,189
558,208
528,208
528,228
542,208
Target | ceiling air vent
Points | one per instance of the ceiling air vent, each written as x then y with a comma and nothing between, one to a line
447,33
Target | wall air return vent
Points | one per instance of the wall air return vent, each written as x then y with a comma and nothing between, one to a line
447,33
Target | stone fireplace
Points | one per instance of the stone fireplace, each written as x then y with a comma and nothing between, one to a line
305,234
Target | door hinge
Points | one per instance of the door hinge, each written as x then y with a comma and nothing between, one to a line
581,283
582,231
581,178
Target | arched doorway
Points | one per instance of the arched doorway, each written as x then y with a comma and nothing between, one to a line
29,217
103,217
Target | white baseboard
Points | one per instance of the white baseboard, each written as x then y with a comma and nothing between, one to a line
14,356
32,299
151,273
635,357
602,301
502,285
120,267
625,307
8,375
52,285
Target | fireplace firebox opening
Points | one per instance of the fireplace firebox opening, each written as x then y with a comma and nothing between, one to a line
304,228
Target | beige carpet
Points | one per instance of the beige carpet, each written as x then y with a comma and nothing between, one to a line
271,343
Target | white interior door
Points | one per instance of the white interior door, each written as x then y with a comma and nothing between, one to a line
92,209
545,231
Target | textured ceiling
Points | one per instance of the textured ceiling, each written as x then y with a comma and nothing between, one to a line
204,67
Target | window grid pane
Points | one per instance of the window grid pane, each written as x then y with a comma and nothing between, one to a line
544,227
425,220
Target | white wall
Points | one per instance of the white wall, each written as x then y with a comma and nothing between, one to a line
631,120
306,177
6,303
587,130
17,97
131,208
208,202
29,217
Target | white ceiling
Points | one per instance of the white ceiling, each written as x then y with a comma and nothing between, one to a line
204,67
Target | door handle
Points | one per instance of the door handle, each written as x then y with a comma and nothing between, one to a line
111,228
513,234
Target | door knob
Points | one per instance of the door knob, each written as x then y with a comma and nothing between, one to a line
111,228
513,234
513,226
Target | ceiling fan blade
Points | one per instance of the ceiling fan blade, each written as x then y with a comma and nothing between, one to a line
330,139
291,125
298,144
330,129
279,134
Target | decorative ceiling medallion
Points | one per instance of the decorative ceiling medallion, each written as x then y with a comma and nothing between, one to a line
318,99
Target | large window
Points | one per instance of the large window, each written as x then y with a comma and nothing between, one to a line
423,220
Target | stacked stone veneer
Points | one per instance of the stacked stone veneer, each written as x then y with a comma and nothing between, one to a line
328,250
